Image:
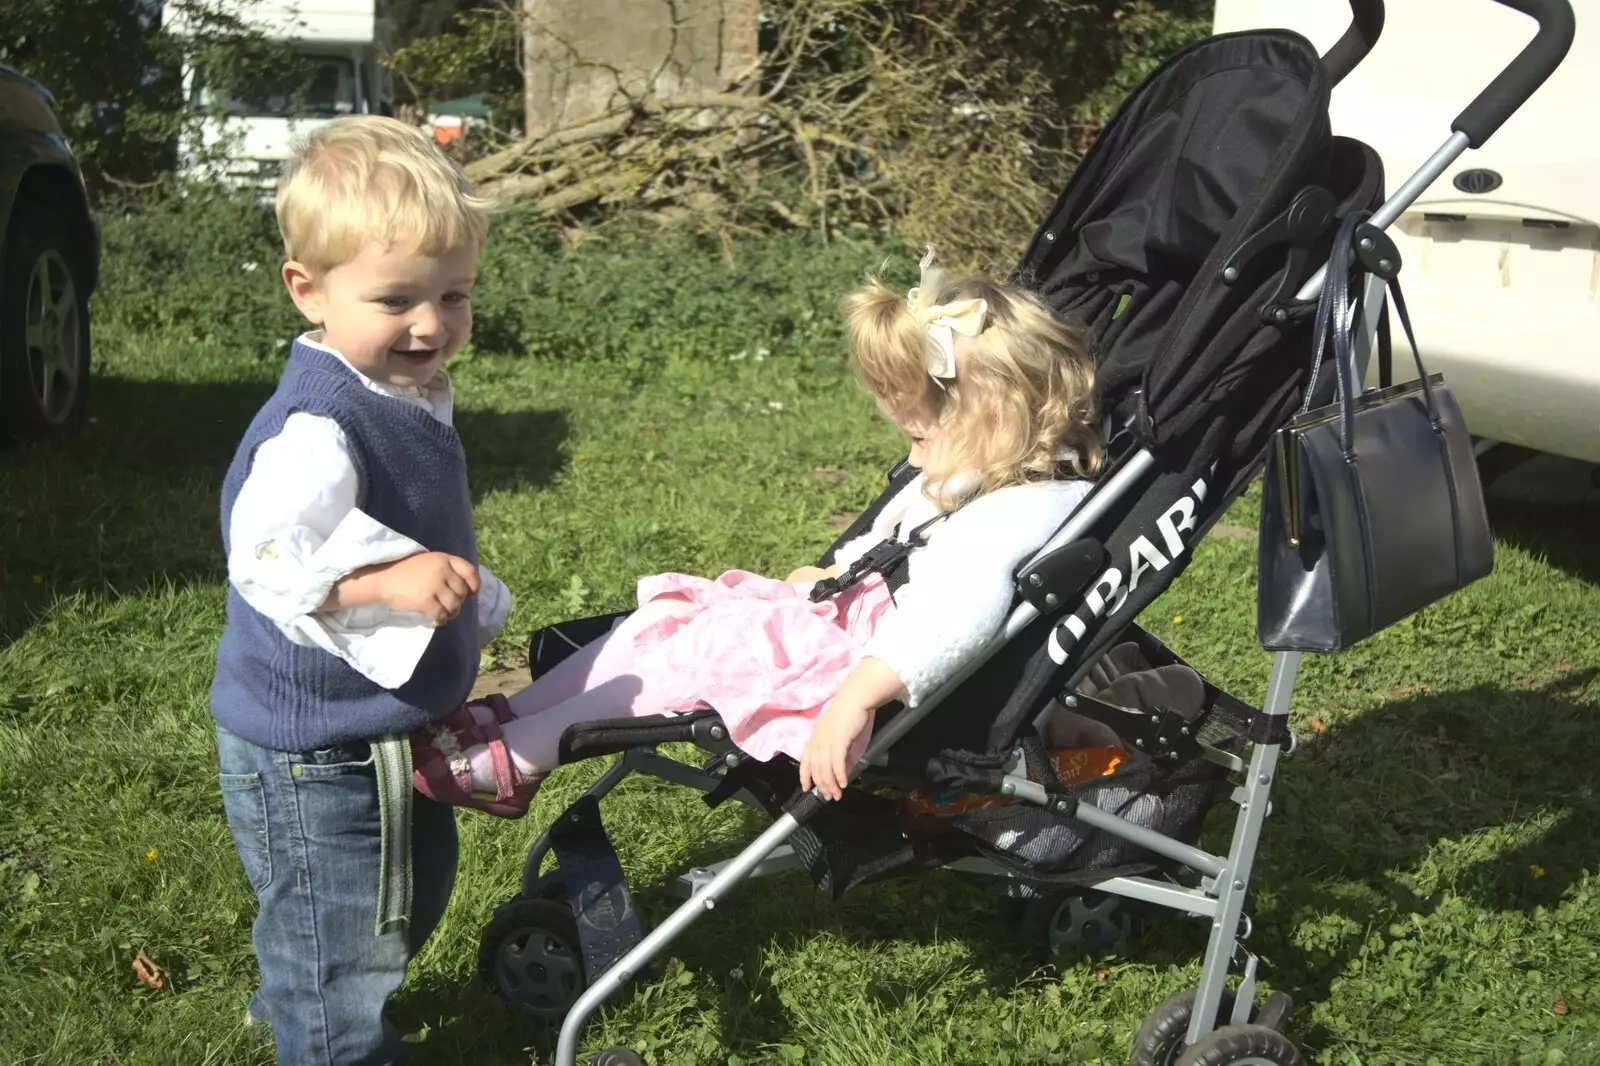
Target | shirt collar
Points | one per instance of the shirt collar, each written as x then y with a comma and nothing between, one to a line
440,382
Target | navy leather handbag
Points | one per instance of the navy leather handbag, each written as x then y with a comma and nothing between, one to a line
1371,508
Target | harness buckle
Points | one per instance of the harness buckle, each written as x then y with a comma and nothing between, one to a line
878,559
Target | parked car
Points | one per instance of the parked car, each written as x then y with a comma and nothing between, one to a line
49,264
1501,255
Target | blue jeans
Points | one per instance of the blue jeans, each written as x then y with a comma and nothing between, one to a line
307,829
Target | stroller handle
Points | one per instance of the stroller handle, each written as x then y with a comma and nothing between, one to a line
1365,28
1536,62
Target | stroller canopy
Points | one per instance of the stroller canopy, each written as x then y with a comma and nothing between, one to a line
1182,237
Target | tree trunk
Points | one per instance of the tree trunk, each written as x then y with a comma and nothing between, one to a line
588,57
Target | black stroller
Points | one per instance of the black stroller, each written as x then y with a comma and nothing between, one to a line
1188,242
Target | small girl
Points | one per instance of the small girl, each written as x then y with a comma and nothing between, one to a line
996,396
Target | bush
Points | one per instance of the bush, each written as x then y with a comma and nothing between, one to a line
643,301
203,268
199,265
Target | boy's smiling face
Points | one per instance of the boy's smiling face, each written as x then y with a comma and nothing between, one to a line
395,315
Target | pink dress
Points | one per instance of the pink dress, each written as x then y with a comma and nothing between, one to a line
758,651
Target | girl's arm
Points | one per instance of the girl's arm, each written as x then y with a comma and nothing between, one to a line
825,762
961,585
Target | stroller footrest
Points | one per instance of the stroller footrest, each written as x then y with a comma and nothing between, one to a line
589,740
608,923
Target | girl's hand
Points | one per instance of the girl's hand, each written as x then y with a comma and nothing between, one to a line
812,573
825,761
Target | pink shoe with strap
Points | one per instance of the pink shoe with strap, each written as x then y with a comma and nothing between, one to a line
443,773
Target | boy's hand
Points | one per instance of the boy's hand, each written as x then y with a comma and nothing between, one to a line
825,761
432,584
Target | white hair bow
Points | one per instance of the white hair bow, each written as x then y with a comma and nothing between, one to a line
943,321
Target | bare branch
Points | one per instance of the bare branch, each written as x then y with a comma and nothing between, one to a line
879,115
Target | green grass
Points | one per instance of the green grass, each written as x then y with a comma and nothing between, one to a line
1425,888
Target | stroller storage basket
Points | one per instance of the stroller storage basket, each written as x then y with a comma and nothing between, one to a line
1164,716
1172,800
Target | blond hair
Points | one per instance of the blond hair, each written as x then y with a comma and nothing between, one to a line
368,178
1023,392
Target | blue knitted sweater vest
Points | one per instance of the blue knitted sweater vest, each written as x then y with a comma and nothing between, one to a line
413,478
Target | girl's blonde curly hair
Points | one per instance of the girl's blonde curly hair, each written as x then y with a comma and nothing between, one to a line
1022,396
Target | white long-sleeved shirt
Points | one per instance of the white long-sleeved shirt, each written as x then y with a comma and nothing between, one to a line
961,583
295,531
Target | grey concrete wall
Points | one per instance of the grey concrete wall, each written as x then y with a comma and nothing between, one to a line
584,57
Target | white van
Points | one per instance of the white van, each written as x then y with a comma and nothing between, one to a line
1502,254
341,45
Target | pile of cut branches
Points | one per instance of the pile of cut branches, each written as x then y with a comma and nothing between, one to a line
950,123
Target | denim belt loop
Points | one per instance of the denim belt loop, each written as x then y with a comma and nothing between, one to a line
391,757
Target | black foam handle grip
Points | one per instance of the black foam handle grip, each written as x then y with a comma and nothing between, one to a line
1511,89
1365,28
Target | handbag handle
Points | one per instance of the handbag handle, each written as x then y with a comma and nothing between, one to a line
1336,313
1319,340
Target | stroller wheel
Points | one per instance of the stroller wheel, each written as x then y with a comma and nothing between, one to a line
1073,922
618,1056
530,957
1243,1045
1160,1039
1009,910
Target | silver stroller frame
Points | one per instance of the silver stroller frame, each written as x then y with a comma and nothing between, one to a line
1225,879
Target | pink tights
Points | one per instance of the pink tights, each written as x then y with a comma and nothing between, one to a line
592,683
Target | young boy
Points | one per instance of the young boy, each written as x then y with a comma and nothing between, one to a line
356,605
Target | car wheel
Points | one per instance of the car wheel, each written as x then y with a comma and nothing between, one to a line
44,325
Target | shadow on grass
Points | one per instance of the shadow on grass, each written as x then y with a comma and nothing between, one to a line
133,499
1374,797
1381,790
1564,535
1383,796
1546,505
729,949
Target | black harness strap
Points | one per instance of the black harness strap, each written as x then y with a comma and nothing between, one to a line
1269,729
891,558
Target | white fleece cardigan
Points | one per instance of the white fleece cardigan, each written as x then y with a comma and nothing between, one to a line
960,585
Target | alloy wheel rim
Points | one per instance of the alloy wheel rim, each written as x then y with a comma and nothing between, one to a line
52,335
